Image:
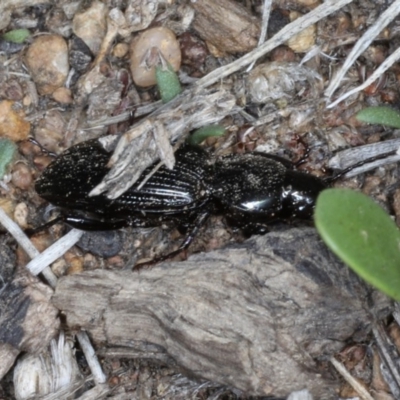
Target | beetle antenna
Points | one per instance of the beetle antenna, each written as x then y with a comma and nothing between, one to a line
42,148
340,174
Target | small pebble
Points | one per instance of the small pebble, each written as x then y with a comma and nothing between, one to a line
80,55
305,40
163,39
21,176
47,62
116,262
76,266
194,51
12,122
8,206
59,267
63,95
102,243
90,262
12,90
49,131
91,25
120,50
21,215
42,241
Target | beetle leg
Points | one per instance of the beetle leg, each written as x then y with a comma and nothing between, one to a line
47,225
94,224
83,222
303,159
190,235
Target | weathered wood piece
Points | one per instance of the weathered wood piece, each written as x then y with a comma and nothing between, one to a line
255,315
28,321
226,24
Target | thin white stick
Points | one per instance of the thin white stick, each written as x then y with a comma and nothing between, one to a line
322,11
26,244
91,358
53,252
387,349
377,73
18,234
265,18
264,27
386,17
362,392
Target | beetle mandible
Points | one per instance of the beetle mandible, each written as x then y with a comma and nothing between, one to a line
251,190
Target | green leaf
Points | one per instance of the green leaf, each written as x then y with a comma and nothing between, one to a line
167,82
16,35
360,232
203,133
380,115
7,152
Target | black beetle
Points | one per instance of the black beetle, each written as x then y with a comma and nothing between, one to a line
251,190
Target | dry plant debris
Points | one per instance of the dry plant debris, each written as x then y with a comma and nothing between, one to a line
281,76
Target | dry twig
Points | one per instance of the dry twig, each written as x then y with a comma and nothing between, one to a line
394,57
384,20
389,356
264,27
355,155
350,380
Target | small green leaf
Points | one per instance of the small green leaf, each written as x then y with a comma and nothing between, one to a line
380,115
167,82
203,133
360,232
16,35
7,152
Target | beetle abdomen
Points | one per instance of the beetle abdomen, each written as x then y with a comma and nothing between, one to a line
68,180
172,191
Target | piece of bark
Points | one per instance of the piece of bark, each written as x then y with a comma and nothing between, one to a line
254,315
226,24
28,321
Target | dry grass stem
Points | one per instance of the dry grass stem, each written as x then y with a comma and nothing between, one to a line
363,393
264,27
384,20
389,355
394,57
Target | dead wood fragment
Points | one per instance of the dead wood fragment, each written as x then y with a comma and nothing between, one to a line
28,321
226,24
137,148
254,315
